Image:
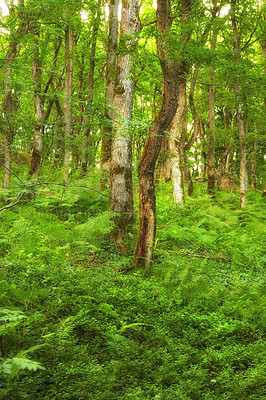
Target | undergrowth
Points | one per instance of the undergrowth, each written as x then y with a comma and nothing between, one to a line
77,322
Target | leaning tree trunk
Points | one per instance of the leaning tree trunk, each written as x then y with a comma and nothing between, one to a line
121,186
67,100
243,174
147,203
109,92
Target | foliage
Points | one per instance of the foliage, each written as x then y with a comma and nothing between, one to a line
191,329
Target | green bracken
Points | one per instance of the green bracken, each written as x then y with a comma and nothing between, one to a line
77,322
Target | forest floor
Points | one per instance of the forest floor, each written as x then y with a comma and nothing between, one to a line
78,323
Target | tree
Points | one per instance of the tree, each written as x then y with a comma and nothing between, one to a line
211,159
121,187
88,112
147,202
176,141
109,91
10,102
67,101
240,105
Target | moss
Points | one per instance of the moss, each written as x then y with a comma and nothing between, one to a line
119,89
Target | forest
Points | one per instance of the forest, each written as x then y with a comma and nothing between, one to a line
132,199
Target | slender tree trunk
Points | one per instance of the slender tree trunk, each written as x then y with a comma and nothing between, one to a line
227,151
227,164
76,152
59,128
190,185
9,102
7,134
121,186
253,160
211,159
88,114
35,163
147,203
240,119
198,129
263,48
109,92
67,100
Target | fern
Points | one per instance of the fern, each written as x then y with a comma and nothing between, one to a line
13,365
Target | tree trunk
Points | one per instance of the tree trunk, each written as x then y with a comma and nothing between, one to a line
9,102
59,128
76,152
263,48
176,143
198,124
253,160
147,203
211,159
109,92
121,186
88,115
240,119
35,163
176,146
226,153
67,100
7,134
221,166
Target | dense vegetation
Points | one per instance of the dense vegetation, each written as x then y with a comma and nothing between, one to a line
112,112
77,322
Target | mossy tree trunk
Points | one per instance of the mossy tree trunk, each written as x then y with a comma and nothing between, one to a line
121,186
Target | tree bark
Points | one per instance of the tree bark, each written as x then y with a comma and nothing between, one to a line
253,159
211,158
121,186
176,146
76,152
59,128
109,92
147,203
240,119
9,102
88,114
35,163
175,141
226,153
67,100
